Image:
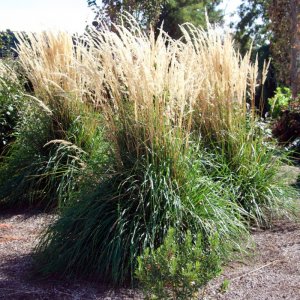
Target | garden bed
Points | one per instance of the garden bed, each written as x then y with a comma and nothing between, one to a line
273,273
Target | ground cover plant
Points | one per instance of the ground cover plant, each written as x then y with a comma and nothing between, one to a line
134,135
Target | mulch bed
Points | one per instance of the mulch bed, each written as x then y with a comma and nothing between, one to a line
272,272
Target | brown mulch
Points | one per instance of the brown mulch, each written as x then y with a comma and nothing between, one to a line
19,233
272,272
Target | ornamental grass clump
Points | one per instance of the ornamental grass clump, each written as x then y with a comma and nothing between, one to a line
224,105
225,116
175,118
102,235
52,63
59,133
146,91
197,90
44,164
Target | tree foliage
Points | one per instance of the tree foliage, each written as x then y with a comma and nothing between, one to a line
253,25
176,12
268,22
277,21
146,12
169,13
7,43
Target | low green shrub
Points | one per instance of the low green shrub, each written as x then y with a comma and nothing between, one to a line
286,129
11,103
280,101
180,267
286,126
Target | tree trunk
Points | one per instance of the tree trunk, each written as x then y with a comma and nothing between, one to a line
295,47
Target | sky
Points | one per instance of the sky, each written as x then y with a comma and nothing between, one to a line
69,15
37,15
229,6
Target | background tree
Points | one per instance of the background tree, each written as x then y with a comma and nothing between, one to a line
175,12
253,25
146,12
253,28
274,27
285,16
7,43
154,13
295,51
280,14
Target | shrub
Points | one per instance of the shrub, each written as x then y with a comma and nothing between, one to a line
7,43
281,101
286,128
180,267
11,102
